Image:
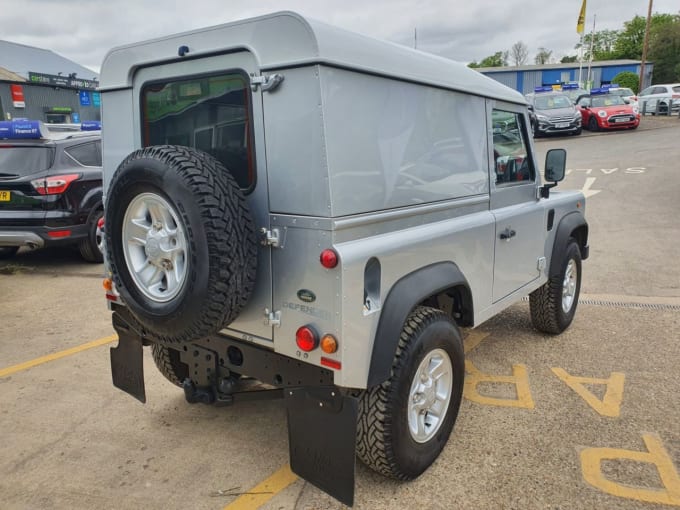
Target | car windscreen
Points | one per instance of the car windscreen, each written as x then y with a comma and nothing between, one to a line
22,161
609,100
622,92
552,102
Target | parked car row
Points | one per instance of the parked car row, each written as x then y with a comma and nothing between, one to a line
559,112
51,187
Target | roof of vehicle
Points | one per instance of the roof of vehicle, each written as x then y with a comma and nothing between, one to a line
306,42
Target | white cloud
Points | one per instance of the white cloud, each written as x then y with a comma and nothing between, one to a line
84,30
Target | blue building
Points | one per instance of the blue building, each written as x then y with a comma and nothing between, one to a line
525,78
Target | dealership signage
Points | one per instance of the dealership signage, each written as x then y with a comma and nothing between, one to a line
62,81
18,100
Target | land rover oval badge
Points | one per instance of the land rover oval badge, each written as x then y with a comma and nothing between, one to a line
306,295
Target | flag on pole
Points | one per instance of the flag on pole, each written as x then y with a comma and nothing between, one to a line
580,24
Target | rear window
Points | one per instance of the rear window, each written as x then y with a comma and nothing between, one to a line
676,88
23,161
209,113
87,154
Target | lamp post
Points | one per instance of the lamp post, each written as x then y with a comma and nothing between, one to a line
644,46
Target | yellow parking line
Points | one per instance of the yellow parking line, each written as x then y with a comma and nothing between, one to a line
57,355
264,491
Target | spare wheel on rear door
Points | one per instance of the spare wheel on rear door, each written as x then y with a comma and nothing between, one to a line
180,241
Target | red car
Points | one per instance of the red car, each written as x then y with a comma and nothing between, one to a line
605,111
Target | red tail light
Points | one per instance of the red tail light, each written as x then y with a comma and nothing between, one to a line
54,184
306,338
329,259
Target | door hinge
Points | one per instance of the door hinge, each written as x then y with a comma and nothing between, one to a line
272,318
268,82
271,237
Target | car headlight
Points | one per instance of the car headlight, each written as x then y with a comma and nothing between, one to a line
602,114
636,110
541,117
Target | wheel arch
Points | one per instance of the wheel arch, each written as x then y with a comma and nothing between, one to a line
427,285
573,225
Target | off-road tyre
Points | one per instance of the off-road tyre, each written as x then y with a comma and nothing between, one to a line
221,242
7,252
168,362
384,442
89,247
545,303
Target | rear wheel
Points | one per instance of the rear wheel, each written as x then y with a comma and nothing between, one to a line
168,363
7,252
554,304
91,248
405,422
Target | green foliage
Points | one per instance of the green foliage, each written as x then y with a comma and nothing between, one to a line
628,79
498,59
603,45
631,38
664,51
567,59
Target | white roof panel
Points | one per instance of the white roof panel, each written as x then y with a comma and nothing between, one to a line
287,39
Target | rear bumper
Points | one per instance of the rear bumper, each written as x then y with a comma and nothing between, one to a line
38,237
19,238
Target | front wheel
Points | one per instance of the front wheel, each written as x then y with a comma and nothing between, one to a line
593,125
405,422
553,305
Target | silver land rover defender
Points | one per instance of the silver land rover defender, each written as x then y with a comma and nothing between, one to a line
320,211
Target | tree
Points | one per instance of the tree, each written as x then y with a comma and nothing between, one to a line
630,39
628,79
543,56
498,59
519,53
603,45
664,51
568,59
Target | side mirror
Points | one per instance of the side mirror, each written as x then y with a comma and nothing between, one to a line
555,165
531,108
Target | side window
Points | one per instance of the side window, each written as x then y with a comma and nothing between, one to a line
209,113
510,151
584,101
86,154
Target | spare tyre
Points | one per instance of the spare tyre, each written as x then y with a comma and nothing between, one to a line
180,242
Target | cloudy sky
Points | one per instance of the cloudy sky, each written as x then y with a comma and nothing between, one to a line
84,30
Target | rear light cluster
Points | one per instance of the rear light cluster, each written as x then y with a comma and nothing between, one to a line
54,184
307,339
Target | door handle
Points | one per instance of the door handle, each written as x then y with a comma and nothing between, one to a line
507,234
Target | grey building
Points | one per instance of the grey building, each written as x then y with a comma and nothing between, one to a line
39,84
525,78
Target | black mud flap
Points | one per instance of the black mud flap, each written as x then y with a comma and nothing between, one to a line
127,366
322,427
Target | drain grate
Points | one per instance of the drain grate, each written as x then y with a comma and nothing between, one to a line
626,304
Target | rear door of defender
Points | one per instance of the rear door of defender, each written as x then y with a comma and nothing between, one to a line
209,104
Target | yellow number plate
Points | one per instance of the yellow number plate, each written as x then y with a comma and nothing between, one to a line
5,196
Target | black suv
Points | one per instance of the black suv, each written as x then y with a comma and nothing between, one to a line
50,188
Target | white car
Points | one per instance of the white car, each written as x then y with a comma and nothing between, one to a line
655,99
627,94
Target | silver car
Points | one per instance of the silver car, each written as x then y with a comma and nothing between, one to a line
657,98
553,113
